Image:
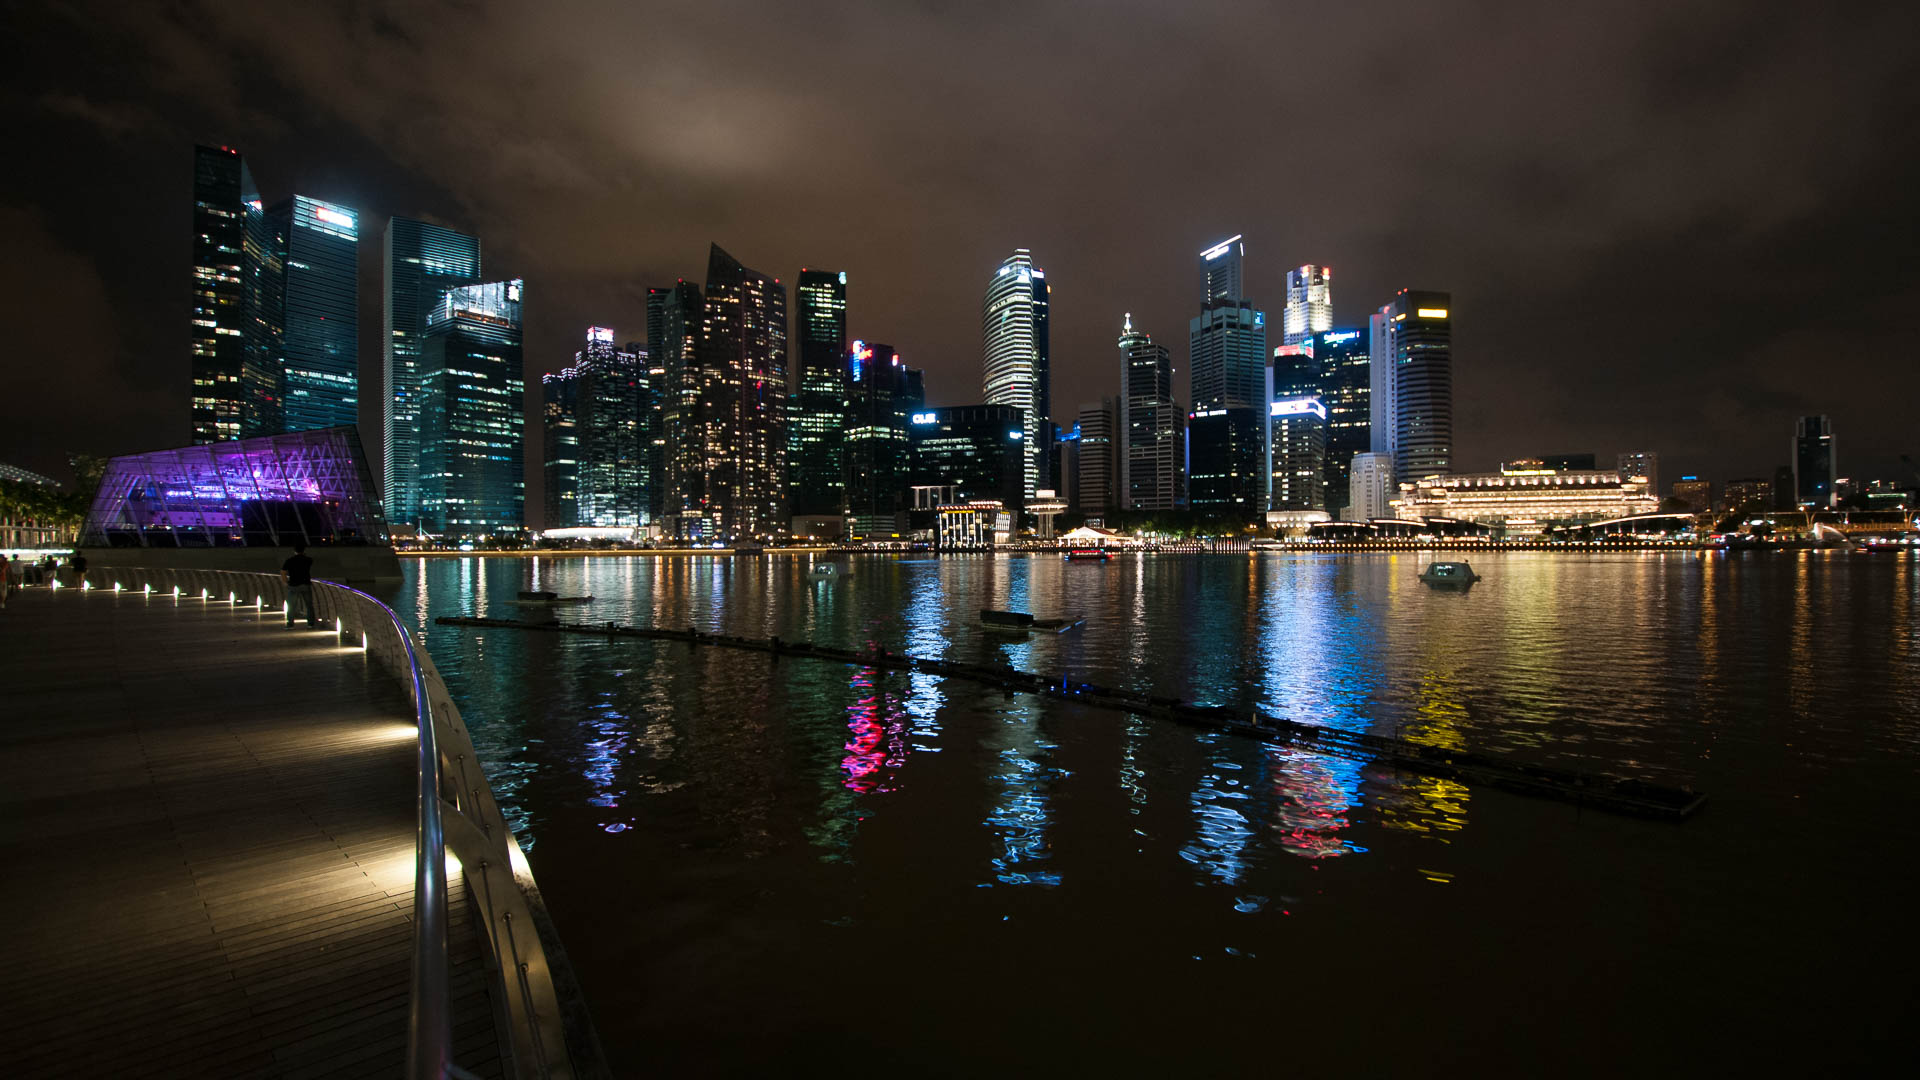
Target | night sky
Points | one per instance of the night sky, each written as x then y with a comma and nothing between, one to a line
1665,226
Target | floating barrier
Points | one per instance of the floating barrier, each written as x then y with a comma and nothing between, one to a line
1636,798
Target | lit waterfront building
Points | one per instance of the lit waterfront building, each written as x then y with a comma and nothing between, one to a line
690,431
1150,447
883,395
560,434
320,300
817,421
1525,497
238,381
1815,466
1748,495
1016,350
1096,491
744,342
1370,488
1380,376
608,491
1696,494
1419,344
472,446
646,430
422,262
973,452
1226,460
1346,388
1296,460
1641,463
1309,309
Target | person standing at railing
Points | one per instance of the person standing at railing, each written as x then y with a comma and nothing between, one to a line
297,574
9,579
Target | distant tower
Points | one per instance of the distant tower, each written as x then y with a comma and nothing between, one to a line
1370,489
1220,277
608,486
471,415
1227,341
1419,346
1100,429
236,311
882,395
1298,436
817,422
560,431
1015,354
320,334
743,347
1346,387
1815,466
422,261
1641,463
1309,308
1149,430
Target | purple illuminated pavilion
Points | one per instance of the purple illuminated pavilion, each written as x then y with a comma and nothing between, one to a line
308,486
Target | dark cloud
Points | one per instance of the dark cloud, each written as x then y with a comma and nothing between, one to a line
1671,226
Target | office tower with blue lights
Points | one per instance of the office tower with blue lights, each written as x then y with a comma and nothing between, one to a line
472,415
883,395
1815,466
606,396
1413,335
320,328
1150,436
1015,355
238,381
817,422
1096,487
1309,309
422,261
1297,439
1346,388
1228,339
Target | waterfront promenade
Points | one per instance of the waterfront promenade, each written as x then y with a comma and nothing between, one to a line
208,825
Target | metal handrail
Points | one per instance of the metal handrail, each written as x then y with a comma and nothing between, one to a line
485,846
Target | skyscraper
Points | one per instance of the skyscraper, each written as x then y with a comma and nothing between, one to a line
647,430
1641,463
1298,438
978,451
237,276
1098,485
817,427
1015,351
422,261
1370,487
1380,374
1227,341
1419,343
1815,466
1226,460
472,414
691,438
320,343
1150,444
743,342
607,412
1309,308
560,431
883,395
1346,388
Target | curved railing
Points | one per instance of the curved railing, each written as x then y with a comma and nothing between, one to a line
457,816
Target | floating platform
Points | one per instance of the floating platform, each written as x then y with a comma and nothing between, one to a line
1635,798
1020,622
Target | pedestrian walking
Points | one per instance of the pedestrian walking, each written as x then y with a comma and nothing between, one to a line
297,573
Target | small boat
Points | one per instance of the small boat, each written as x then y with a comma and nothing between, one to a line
1020,622
1449,574
1088,555
825,571
543,598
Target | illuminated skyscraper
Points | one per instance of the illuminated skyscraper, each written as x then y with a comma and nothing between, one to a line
1309,308
743,342
237,276
1227,341
1370,488
1298,437
817,427
608,486
320,343
1220,272
472,414
1150,434
647,431
423,261
1097,489
1815,466
1641,463
1346,388
1015,350
1418,329
560,431
1226,459
882,397
689,413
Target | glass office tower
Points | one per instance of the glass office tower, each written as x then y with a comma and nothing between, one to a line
816,456
883,395
1149,445
1814,465
320,346
1309,309
1346,388
422,262
471,414
1015,355
743,347
1419,329
238,382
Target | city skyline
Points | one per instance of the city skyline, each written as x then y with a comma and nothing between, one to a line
1723,354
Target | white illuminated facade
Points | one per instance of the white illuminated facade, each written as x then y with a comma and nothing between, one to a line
1013,327
1309,309
1524,497
1370,488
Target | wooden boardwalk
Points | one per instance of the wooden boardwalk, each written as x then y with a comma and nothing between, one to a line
207,829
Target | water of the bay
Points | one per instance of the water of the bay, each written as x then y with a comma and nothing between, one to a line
803,867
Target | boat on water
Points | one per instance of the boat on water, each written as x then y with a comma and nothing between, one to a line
825,571
1088,555
1021,622
1449,574
544,598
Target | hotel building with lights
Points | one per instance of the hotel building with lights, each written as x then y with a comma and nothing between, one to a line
1525,497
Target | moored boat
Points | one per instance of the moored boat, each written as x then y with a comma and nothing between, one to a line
1449,574
1088,555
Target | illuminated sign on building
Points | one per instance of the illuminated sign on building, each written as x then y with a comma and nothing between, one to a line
1432,313
1337,336
923,418
600,333
1298,407
333,217
1219,249
1014,435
